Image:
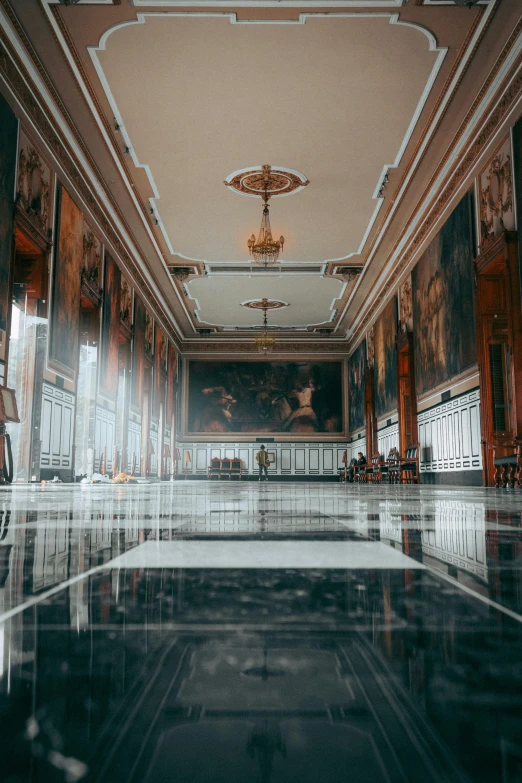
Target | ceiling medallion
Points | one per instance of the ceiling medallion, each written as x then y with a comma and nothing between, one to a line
259,180
264,304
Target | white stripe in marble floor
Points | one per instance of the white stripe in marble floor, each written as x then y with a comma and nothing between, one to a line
263,554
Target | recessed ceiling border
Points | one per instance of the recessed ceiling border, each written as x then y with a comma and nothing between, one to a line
377,194
333,309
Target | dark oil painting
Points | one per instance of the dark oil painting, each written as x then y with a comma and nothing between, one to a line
138,351
110,341
172,372
66,283
272,397
160,362
443,303
8,142
385,363
356,384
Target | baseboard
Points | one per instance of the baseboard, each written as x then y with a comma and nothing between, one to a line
456,478
271,479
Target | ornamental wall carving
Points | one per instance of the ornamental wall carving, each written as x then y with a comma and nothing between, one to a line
370,346
496,195
33,186
91,259
163,353
406,306
149,334
125,302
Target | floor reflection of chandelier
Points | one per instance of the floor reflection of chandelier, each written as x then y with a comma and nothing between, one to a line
265,342
265,250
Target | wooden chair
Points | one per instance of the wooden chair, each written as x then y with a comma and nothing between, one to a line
409,465
214,468
374,470
393,466
236,469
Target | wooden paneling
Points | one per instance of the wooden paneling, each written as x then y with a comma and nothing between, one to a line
499,349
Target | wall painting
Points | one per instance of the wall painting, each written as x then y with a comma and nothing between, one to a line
272,397
443,303
385,364
8,141
138,351
66,282
356,385
110,340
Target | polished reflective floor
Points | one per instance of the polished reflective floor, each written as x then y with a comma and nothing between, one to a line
273,633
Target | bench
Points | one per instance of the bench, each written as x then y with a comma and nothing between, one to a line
225,468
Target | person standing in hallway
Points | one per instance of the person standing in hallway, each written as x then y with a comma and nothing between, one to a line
262,461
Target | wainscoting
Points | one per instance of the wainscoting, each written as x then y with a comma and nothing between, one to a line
56,432
104,436
449,435
387,438
134,441
291,459
154,454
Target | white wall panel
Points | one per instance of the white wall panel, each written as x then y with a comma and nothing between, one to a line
56,430
290,458
387,439
449,435
104,433
134,443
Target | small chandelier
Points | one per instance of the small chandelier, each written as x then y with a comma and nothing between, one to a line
265,342
265,250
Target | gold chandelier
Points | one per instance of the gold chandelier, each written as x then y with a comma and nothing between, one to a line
265,250
265,342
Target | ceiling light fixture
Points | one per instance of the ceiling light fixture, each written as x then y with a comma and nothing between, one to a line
265,250
265,342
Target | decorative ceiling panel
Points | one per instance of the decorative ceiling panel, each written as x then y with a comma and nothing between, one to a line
198,97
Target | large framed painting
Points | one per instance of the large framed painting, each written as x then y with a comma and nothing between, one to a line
64,322
356,383
138,351
172,372
385,360
295,398
443,303
8,142
160,368
110,338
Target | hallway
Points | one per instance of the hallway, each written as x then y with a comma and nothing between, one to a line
268,632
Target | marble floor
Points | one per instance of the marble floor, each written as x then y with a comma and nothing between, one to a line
273,633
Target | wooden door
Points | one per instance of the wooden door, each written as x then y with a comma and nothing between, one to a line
406,396
499,349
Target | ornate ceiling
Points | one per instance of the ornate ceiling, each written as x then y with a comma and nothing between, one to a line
164,102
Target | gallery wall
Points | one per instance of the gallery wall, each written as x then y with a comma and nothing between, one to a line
435,302
77,342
